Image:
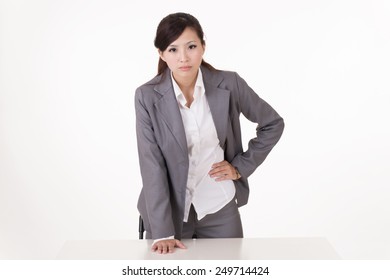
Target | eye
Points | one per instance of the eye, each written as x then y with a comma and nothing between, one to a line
192,47
172,50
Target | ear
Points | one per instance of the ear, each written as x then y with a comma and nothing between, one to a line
160,53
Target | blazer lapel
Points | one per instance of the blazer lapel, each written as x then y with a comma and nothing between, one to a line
169,110
218,100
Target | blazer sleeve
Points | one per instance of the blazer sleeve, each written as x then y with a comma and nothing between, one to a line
268,131
155,189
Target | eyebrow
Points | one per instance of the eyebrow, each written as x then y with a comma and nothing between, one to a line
186,43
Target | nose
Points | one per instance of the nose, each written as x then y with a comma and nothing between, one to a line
183,57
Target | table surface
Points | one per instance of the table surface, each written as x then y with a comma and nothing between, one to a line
297,248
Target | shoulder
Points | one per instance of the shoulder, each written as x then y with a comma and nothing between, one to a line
216,73
221,78
230,80
149,86
227,73
151,91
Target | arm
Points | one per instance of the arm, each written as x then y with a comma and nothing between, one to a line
154,173
268,131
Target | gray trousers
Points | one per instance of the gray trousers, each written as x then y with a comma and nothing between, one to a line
225,223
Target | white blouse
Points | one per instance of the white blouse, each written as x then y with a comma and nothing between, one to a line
207,195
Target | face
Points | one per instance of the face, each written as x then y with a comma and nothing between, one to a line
184,55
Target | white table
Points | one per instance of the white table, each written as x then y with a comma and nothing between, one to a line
310,248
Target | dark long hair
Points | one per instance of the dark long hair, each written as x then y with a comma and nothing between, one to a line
170,28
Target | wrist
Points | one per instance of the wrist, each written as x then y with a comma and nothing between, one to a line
238,175
164,238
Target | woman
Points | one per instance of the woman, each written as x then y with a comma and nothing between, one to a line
194,170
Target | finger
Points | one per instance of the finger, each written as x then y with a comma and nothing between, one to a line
226,166
218,164
180,244
222,179
157,250
160,248
229,174
171,247
164,249
218,171
214,172
225,173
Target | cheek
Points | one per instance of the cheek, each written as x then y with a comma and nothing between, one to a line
198,56
170,61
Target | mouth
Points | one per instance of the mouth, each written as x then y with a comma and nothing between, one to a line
185,68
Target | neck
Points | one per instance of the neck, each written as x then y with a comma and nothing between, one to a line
186,84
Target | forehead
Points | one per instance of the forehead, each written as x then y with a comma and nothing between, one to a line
188,35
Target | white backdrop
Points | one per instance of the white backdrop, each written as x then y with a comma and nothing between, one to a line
68,157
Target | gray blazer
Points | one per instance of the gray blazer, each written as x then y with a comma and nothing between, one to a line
162,145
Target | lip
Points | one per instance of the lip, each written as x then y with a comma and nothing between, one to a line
185,68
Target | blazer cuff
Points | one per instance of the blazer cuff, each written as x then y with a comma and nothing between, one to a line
164,238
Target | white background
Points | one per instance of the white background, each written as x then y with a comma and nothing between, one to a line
68,155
